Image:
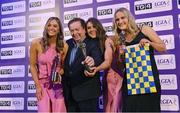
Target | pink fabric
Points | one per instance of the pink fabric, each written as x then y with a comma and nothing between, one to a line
52,100
45,61
114,98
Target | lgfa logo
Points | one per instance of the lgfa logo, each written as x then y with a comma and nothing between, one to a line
162,3
12,87
18,103
13,52
12,103
165,61
169,102
13,22
158,23
12,71
163,22
168,81
144,7
13,37
41,4
168,40
13,7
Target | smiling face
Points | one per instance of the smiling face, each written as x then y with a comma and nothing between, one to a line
77,31
53,28
121,21
91,30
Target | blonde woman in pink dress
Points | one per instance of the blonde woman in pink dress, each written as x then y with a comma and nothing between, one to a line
113,77
43,52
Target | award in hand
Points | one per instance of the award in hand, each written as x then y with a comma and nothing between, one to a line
121,55
82,46
122,38
54,70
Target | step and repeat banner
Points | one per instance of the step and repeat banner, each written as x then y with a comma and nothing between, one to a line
23,20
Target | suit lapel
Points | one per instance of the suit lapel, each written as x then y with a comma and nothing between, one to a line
71,45
78,57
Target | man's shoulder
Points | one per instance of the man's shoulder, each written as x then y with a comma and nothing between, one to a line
69,41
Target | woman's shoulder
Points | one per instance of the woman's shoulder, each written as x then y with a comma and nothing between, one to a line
109,42
146,29
36,41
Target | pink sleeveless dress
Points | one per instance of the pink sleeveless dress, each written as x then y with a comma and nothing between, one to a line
52,100
114,80
114,84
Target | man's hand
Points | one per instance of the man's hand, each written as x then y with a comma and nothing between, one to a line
90,74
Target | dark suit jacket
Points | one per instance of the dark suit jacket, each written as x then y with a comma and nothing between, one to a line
75,83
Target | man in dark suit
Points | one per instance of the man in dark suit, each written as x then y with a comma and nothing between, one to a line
80,90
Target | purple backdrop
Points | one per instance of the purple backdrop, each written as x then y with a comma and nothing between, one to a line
23,20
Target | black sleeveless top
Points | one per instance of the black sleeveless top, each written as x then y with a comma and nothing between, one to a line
136,40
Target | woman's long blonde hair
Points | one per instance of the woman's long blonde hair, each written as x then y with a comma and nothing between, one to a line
132,27
60,36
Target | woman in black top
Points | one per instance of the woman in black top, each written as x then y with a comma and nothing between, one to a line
124,21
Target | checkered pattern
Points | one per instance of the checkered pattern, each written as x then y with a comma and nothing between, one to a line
139,74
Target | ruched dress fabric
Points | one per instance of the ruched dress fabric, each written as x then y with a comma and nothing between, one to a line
52,100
